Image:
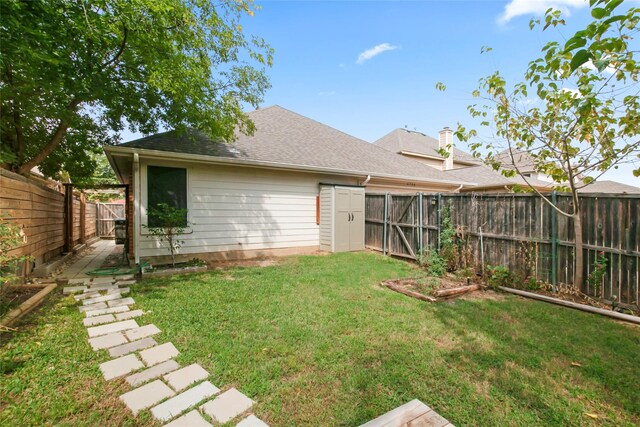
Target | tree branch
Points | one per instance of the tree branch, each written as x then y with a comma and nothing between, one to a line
120,50
53,142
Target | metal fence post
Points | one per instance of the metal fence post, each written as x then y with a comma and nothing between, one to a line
554,242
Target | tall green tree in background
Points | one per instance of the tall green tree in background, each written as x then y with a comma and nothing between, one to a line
576,114
74,73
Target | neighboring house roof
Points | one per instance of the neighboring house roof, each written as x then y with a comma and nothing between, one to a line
610,187
523,160
485,177
407,141
285,138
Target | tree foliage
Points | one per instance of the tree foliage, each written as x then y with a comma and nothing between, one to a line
75,73
576,113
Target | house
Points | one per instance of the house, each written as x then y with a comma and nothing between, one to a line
425,149
295,186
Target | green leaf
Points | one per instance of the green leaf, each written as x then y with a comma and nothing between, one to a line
579,59
574,43
599,12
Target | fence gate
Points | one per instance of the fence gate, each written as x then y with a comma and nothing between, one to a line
404,225
107,213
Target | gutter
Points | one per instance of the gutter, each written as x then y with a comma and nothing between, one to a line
111,150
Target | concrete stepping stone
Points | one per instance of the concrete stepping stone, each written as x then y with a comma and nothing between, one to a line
178,404
125,282
253,421
122,291
130,347
183,378
227,406
77,281
158,354
123,301
102,298
97,306
129,314
146,396
125,277
121,366
72,289
102,280
98,320
86,295
152,373
111,310
142,332
190,419
107,341
112,327
97,288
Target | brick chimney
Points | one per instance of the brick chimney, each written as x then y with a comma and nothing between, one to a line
445,142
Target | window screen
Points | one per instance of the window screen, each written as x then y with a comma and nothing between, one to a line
166,185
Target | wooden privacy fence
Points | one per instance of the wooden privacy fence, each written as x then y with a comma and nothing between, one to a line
519,231
42,212
107,213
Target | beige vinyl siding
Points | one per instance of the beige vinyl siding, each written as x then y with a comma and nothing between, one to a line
240,208
434,163
326,218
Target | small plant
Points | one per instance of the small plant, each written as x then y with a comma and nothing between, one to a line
448,247
11,236
597,274
499,276
171,223
436,265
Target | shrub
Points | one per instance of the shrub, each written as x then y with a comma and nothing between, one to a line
171,223
500,276
597,274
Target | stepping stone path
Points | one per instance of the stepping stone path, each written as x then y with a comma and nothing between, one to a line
159,384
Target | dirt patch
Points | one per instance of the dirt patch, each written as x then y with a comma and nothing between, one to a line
12,296
114,259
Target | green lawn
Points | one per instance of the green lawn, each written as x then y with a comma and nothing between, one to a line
316,341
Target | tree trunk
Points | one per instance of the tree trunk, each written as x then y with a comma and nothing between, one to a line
578,278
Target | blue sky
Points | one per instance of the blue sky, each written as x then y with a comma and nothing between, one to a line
317,44
412,45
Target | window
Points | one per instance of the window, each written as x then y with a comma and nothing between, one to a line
166,185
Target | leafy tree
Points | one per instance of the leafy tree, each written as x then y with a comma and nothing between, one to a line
577,112
75,73
172,222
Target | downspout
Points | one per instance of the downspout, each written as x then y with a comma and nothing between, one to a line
136,207
459,188
366,181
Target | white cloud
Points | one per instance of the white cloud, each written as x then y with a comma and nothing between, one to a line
537,7
608,70
374,51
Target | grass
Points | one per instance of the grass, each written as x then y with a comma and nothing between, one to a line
316,341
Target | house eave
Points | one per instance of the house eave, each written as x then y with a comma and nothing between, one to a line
158,154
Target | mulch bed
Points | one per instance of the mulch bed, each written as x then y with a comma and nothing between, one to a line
12,296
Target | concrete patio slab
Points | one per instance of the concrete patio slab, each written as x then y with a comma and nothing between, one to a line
152,373
190,419
227,406
130,347
102,298
161,353
121,366
414,413
183,378
146,396
178,404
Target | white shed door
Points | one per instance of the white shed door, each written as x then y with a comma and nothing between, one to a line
349,221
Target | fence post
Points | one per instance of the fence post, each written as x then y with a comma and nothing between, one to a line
384,224
420,233
439,202
68,217
554,242
83,218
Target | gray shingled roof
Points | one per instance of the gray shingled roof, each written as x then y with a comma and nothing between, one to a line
406,140
484,176
287,138
610,187
523,160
